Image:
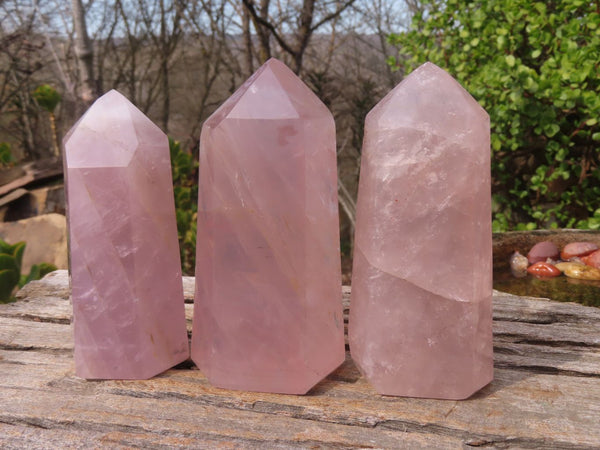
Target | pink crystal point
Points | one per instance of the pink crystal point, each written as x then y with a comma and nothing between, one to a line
420,318
268,312
128,307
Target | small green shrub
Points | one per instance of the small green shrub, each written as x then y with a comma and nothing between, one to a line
534,67
185,189
11,258
6,157
47,97
37,272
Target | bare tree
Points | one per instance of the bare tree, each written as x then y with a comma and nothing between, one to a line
85,54
291,27
178,60
126,65
162,26
213,63
248,49
21,60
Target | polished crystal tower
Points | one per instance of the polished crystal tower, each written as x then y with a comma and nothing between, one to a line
267,311
421,306
128,307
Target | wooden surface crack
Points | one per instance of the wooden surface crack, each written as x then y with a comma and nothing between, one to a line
38,318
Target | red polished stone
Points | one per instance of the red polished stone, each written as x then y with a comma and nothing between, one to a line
421,307
543,270
593,259
578,249
268,312
128,307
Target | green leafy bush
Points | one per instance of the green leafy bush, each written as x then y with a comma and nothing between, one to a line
185,188
534,67
11,258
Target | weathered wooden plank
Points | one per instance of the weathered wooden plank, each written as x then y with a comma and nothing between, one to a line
196,421
549,334
46,310
48,300
546,392
498,414
506,306
19,334
547,342
41,309
56,284
510,307
566,360
354,403
502,409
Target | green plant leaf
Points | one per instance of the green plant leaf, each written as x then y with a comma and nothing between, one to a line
47,97
34,274
10,275
7,285
18,254
46,268
8,262
551,129
185,191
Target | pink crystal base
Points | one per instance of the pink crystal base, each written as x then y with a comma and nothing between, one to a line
418,356
128,308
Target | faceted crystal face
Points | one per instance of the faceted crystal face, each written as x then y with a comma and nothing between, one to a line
128,308
420,321
267,312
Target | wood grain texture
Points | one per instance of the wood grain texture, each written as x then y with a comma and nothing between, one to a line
545,394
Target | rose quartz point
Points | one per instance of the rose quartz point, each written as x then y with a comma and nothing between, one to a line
128,306
421,307
267,311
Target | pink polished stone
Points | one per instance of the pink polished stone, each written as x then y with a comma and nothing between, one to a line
268,312
541,251
128,308
420,317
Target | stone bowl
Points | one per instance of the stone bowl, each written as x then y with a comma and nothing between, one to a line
561,288
504,244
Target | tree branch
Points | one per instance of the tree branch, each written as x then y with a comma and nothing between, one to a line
249,4
333,15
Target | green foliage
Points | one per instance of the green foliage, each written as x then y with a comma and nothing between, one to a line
534,67
47,97
5,154
36,272
591,223
185,188
11,259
